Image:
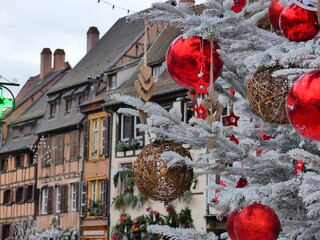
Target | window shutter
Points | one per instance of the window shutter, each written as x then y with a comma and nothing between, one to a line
60,148
105,198
64,198
16,194
84,189
12,196
106,135
1,226
50,199
85,138
74,147
77,185
5,167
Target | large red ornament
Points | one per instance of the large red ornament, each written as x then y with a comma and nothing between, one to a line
298,24
274,12
303,105
238,5
257,222
230,225
188,60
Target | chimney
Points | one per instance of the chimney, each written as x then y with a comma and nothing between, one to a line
189,3
46,62
59,59
92,37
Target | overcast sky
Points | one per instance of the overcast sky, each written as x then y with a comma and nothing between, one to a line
27,26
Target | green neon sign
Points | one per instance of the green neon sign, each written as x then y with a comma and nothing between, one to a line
5,103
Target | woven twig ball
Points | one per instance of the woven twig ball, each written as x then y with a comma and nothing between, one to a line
267,95
157,181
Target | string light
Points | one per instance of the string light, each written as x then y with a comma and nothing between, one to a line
115,6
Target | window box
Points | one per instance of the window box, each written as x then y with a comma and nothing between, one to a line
127,146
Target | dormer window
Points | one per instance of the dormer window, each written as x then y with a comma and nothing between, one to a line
16,132
112,82
53,108
68,104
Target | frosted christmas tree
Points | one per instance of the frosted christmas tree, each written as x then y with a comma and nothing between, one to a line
271,154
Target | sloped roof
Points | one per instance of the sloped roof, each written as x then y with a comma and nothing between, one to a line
34,84
32,114
104,54
156,55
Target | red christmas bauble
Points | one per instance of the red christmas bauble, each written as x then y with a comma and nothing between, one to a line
257,222
242,183
230,225
188,60
303,105
238,5
298,24
274,12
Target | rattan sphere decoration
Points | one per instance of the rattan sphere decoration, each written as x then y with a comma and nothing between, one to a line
157,181
267,95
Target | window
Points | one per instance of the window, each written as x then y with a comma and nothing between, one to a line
5,231
80,99
45,193
30,193
112,82
97,197
128,129
93,191
58,199
3,164
95,138
68,104
126,185
187,111
30,159
18,161
19,195
156,71
16,132
53,108
226,112
74,196
7,197
27,130
99,145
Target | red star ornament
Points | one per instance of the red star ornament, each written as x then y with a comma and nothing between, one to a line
266,137
201,86
232,119
232,92
201,112
234,139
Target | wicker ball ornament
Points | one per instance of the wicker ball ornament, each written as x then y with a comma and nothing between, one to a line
267,95
155,179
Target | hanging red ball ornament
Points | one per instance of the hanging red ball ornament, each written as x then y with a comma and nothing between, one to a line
238,5
188,60
303,105
275,9
242,182
230,225
257,221
298,24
